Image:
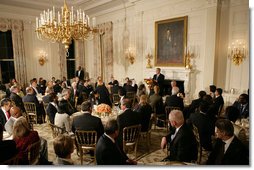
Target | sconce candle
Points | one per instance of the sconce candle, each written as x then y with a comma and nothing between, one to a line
237,52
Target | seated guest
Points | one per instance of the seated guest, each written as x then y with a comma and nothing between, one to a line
242,105
23,137
144,111
52,107
156,101
63,147
107,149
182,142
31,97
46,98
228,149
86,121
174,100
74,92
66,99
57,88
16,98
104,96
114,87
62,119
196,103
7,147
204,124
127,118
232,114
15,114
122,94
128,87
141,89
4,110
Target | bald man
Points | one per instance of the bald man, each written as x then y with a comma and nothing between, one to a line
15,113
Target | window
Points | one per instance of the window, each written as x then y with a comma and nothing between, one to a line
71,61
7,70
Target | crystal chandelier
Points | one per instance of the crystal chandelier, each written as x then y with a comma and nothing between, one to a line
65,26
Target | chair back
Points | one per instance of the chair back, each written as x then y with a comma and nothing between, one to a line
12,161
57,130
116,98
130,137
86,141
34,153
196,134
31,111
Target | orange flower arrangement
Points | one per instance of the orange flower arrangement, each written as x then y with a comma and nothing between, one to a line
103,108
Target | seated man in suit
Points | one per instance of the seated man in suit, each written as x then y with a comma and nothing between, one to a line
228,149
4,110
15,113
174,100
31,97
16,98
232,114
86,121
182,142
242,105
127,118
7,147
107,149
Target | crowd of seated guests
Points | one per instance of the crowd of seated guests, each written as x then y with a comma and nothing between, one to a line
62,98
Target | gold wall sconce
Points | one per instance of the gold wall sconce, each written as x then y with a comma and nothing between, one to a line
42,58
130,54
188,56
237,52
149,57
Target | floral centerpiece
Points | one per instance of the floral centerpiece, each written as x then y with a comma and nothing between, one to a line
103,110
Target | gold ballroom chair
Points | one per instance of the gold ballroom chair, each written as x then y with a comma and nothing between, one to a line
86,142
130,138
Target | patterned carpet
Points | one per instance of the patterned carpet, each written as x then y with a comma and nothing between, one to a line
153,157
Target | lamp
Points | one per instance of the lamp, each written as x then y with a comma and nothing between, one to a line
42,58
65,26
130,54
237,52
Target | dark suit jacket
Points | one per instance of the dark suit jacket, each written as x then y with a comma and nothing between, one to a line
46,99
88,122
184,146
51,112
218,101
18,101
104,95
205,128
107,153
174,101
8,149
195,104
32,98
127,118
243,113
81,76
2,117
144,113
236,153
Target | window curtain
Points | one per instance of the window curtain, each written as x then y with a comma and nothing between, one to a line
17,28
103,51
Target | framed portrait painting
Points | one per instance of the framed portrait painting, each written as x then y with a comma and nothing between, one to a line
170,42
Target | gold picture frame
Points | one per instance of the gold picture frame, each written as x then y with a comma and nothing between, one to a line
171,42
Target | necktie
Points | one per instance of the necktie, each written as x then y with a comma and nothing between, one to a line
218,160
8,114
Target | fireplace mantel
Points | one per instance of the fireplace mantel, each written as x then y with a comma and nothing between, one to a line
182,74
